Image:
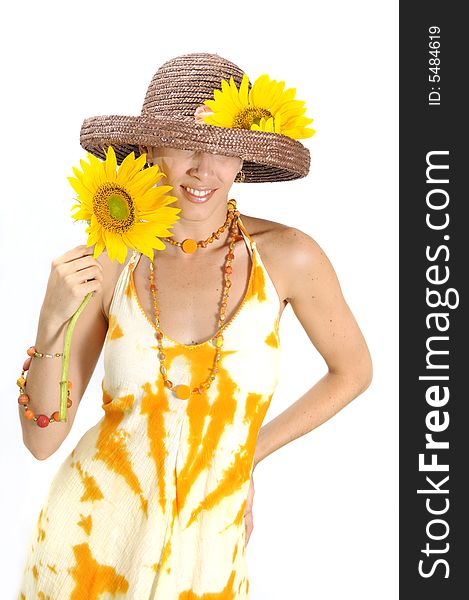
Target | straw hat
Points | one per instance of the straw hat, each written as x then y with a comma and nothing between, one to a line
177,89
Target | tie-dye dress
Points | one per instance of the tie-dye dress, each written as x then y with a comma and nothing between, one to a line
150,503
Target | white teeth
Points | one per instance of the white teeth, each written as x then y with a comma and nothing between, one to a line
198,193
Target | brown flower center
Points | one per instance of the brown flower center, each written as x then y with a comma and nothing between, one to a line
250,115
114,208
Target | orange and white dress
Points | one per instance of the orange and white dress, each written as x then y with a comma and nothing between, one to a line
150,503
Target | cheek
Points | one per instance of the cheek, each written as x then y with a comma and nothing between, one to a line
231,170
169,168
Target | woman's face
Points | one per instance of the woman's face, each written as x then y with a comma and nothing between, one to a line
198,178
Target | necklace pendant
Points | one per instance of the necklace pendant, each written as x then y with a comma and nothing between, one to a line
182,391
189,246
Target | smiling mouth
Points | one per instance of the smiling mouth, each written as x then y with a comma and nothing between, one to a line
197,193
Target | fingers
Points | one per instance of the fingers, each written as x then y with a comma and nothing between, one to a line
73,275
75,260
77,252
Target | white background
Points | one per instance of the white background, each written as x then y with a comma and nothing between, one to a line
326,505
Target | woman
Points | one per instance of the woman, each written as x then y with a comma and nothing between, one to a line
156,499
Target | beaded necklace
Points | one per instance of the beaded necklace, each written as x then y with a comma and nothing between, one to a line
189,245
184,391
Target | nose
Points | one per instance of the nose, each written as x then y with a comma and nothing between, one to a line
201,164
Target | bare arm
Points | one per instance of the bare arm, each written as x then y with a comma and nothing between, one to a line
88,337
316,299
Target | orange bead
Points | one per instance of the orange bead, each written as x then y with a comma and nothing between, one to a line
23,399
29,414
183,392
69,386
69,403
228,269
27,363
55,416
30,351
189,246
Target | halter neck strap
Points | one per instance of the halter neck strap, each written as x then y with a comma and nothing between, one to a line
244,230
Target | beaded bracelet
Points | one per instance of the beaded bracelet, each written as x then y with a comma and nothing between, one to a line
23,399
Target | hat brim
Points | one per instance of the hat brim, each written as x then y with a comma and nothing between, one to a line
267,156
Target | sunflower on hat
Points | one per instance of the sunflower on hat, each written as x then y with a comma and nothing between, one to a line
263,124
267,106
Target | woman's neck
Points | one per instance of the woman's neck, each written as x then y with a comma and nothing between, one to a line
199,230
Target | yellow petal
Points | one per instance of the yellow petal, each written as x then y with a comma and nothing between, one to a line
144,242
97,249
155,197
278,124
89,178
98,170
218,121
130,167
227,98
225,86
244,91
79,188
113,245
81,215
283,99
99,246
217,94
110,164
143,181
167,215
84,180
94,236
234,94
300,133
256,95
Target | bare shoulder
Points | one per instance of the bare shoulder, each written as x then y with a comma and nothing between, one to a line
288,253
111,272
305,278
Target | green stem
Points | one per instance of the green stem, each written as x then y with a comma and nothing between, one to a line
66,358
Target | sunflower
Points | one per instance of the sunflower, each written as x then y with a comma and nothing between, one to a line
266,107
123,207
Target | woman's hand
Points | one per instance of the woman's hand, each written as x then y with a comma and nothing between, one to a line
73,275
248,522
